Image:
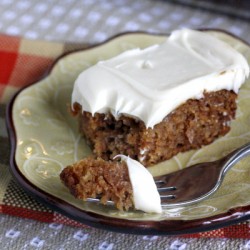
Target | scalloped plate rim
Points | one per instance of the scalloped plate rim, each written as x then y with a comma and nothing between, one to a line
147,227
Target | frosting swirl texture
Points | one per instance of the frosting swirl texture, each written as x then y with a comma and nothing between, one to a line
148,84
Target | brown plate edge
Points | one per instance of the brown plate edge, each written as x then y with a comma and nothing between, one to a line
164,227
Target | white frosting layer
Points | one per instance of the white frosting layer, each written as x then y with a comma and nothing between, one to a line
145,194
148,84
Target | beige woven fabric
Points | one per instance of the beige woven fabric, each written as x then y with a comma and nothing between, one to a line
96,20
29,234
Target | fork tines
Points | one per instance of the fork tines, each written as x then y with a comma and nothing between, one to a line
162,189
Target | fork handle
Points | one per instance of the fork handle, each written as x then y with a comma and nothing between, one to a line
231,159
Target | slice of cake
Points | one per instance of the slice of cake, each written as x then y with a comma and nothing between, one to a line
153,103
127,183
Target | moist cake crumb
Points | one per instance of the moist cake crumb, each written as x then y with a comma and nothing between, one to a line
91,178
195,123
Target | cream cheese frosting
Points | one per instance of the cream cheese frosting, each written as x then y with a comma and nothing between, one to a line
150,83
145,194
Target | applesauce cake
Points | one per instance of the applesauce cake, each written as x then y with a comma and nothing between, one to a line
192,125
154,103
90,178
126,182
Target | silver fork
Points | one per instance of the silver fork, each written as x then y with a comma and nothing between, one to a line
195,183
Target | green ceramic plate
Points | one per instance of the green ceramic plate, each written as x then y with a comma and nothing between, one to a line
45,139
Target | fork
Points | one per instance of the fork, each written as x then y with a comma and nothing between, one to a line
195,183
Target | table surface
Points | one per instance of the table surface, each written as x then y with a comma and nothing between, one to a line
92,21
